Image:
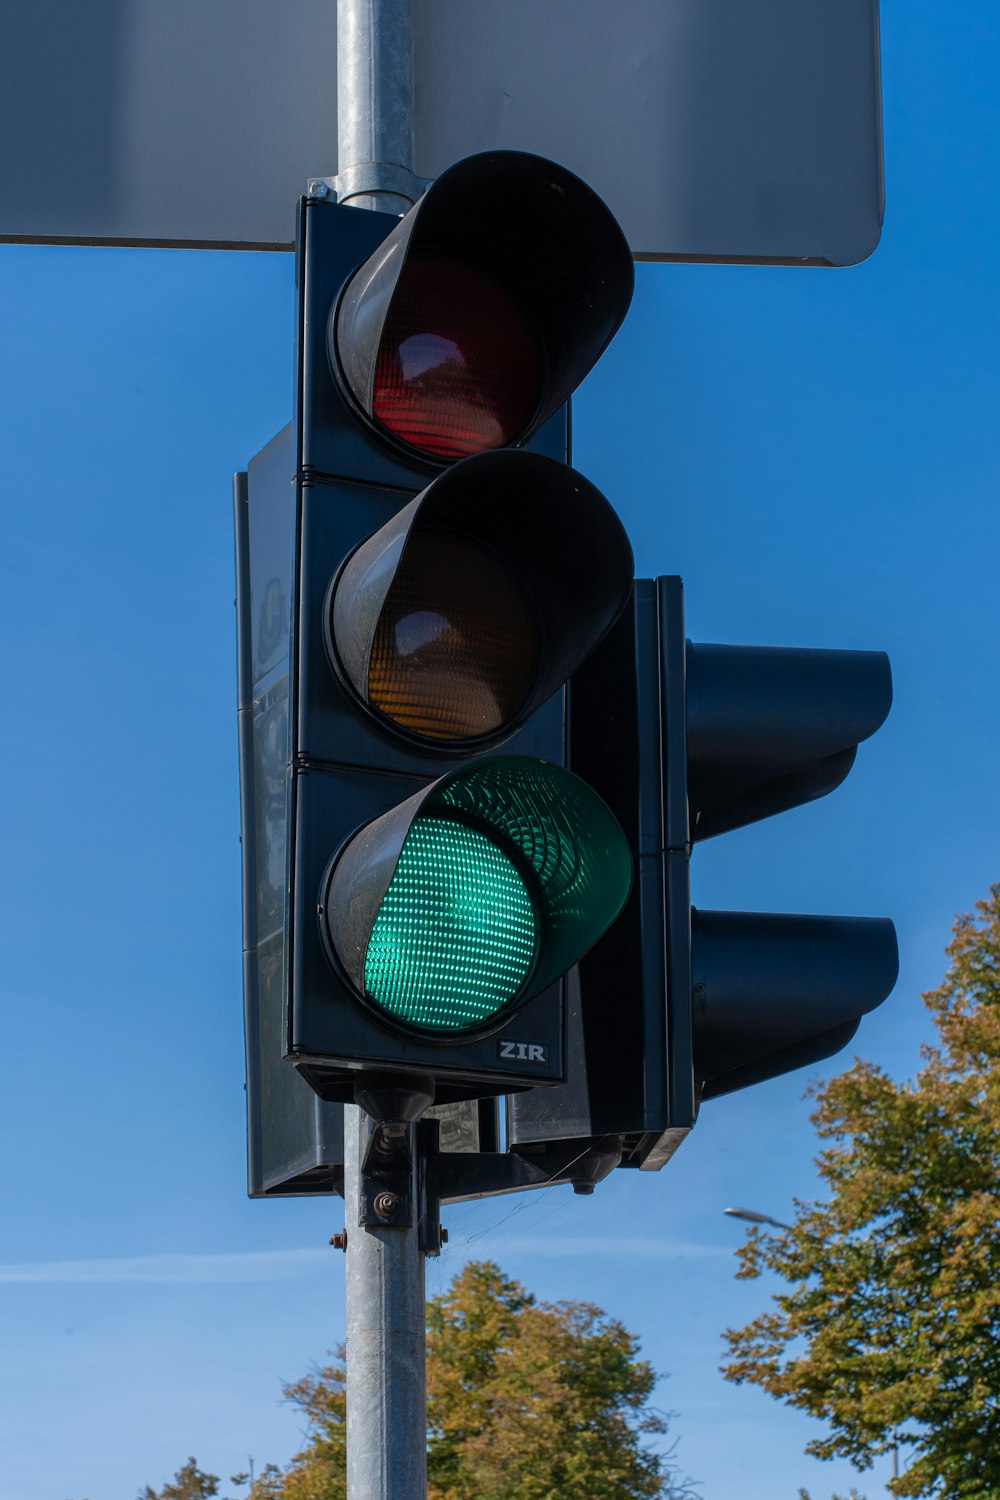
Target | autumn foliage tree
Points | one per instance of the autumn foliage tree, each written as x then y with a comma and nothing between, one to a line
533,1401
189,1483
890,1327
525,1401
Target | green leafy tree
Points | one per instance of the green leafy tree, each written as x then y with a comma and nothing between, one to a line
189,1483
891,1323
525,1401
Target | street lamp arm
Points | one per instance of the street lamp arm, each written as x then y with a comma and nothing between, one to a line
752,1217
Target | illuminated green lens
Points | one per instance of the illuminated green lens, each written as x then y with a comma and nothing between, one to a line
456,933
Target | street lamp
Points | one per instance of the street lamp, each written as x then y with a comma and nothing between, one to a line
752,1217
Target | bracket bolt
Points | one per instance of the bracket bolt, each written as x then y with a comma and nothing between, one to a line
339,1240
387,1205
444,1236
319,189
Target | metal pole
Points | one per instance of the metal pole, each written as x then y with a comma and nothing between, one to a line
386,1334
375,105
386,1348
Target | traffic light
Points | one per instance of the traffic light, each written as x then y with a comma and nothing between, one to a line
677,1005
422,574
769,729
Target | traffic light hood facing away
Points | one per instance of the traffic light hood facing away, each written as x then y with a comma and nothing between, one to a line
474,895
769,728
478,315
775,992
474,603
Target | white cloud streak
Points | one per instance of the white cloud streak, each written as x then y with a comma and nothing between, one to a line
250,1265
288,1265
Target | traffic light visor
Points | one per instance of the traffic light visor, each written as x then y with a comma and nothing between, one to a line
775,992
770,728
465,901
482,311
476,601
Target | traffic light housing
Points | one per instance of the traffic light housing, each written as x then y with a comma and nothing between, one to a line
677,1005
422,573
474,758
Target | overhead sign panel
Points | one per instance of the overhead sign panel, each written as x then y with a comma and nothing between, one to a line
744,129
715,129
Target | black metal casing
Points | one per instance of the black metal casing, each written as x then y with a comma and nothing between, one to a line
295,1140
315,766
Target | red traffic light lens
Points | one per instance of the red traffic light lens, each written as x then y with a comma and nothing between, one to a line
455,652
459,367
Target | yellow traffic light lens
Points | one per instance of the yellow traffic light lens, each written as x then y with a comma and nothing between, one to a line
455,652
459,369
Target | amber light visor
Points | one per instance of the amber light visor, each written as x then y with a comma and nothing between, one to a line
468,609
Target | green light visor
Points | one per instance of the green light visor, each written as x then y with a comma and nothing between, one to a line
470,898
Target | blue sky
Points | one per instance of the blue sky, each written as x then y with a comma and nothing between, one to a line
813,451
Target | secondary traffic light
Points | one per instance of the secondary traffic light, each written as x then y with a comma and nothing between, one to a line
769,729
423,574
687,742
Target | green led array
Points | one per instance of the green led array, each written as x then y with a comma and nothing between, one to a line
456,933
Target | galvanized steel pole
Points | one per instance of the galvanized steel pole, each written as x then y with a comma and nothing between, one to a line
386,1348
375,105
386,1335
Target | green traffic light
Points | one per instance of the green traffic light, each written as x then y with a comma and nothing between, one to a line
503,874
456,935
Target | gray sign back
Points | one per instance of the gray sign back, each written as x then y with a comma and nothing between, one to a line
745,130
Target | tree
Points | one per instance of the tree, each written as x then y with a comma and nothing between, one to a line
891,1326
854,1495
526,1401
268,1484
319,1470
189,1484
533,1401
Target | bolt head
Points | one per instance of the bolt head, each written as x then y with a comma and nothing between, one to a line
319,189
387,1205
